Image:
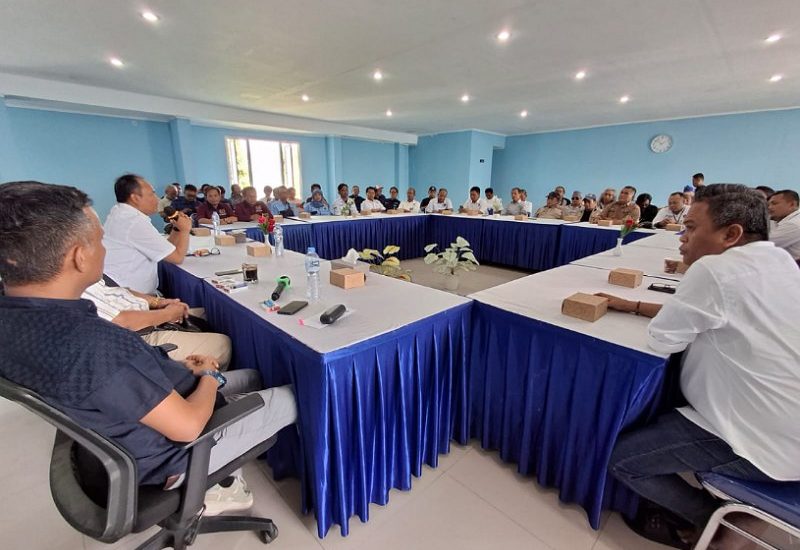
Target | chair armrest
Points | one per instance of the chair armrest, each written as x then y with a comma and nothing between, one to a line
227,415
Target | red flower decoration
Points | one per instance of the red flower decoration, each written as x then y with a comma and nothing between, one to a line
629,222
262,219
271,224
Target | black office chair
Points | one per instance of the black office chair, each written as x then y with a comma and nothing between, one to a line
95,486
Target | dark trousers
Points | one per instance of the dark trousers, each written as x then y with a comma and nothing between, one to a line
648,462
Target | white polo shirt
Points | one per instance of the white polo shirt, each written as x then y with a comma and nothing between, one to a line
411,206
435,206
133,249
110,301
475,206
372,205
666,214
786,234
735,314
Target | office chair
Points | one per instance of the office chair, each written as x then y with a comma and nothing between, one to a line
94,482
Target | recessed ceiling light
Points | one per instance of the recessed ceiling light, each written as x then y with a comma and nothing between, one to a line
389,112
524,114
624,99
377,75
117,62
580,75
776,78
504,35
773,38
150,17
465,98
304,97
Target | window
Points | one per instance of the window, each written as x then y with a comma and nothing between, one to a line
258,162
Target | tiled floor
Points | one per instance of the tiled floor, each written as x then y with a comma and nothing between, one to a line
471,501
485,277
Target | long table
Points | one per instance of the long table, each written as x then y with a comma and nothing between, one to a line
378,395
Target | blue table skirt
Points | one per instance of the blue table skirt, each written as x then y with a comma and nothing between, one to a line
527,245
297,237
334,239
369,415
579,242
443,230
554,402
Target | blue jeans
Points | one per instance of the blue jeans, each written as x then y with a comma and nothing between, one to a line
648,462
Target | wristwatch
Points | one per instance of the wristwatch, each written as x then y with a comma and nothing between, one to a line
220,378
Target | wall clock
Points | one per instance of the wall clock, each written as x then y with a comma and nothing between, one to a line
661,143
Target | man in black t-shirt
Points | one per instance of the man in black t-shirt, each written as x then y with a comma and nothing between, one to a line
431,196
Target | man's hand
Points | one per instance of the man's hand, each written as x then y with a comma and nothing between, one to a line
176,312
618,304
183,222
199,363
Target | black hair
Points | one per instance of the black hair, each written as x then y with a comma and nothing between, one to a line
126,185
341,186
189,187
679,193
318,186
732,203
631,187
38,224
789,194
370,187
767,190
393,188
699,176
221,190
552,195
489,190
643,197
476,189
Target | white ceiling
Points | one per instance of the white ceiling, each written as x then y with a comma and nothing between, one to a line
675,58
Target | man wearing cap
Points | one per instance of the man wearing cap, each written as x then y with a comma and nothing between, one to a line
431,196
590,210
575,207
674,212
624,207
516,207
551,210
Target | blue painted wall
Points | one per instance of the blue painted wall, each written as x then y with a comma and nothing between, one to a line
482,148
442,160
754,148
367,163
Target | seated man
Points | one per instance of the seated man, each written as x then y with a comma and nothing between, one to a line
236,194
473,203
187,203
523,196
357,198
732,314
492,204
575,207
561,191
291,197
133,246
341,204
516,207
674,212
392,203
624,207
647,210
170,194
102,376
765,190
267,194
784,211
317,205
607,197
281,205
212,204
411,204
440,204
431,196
250,209
551,210
371,203
590,210
145,314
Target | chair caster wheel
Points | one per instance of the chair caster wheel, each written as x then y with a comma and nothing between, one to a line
268,535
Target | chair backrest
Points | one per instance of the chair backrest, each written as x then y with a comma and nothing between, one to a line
109,523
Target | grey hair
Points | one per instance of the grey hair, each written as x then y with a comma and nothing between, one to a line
736,204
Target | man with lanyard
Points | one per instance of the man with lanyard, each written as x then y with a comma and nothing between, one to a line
674,212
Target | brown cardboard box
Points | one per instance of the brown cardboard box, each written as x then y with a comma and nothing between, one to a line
259,249
201,232
278,218
347,278
585,306
392,211
604,223
674,266
366,212
622,276
304,216
224,240
521,217
571,218
447,212
617,222
673,227
473,212
239,237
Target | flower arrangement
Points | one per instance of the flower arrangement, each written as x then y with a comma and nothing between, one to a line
457,256
267,225
627,227
348,208
387,263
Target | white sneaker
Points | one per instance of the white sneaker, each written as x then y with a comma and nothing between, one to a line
235,498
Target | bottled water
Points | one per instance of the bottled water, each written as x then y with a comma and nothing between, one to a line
312,275
215,222
278,234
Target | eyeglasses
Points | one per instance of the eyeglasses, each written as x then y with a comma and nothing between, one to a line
200,252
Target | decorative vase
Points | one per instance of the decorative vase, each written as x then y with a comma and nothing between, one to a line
451,281
618,248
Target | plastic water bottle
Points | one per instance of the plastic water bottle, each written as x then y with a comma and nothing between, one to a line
312,275
278,233
215,222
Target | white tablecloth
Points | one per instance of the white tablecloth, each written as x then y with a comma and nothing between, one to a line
650,260
539,297
668,240
381,306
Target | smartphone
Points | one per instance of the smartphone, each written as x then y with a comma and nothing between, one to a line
669,289
292,307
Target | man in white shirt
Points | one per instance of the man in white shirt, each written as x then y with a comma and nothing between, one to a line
142,313
474,203
784,211
492,202
170,194
411,204
133,246
371,203
674,212
441,203
340,204
523,195
732,314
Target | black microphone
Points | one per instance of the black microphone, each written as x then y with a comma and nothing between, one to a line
283,283
332,314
